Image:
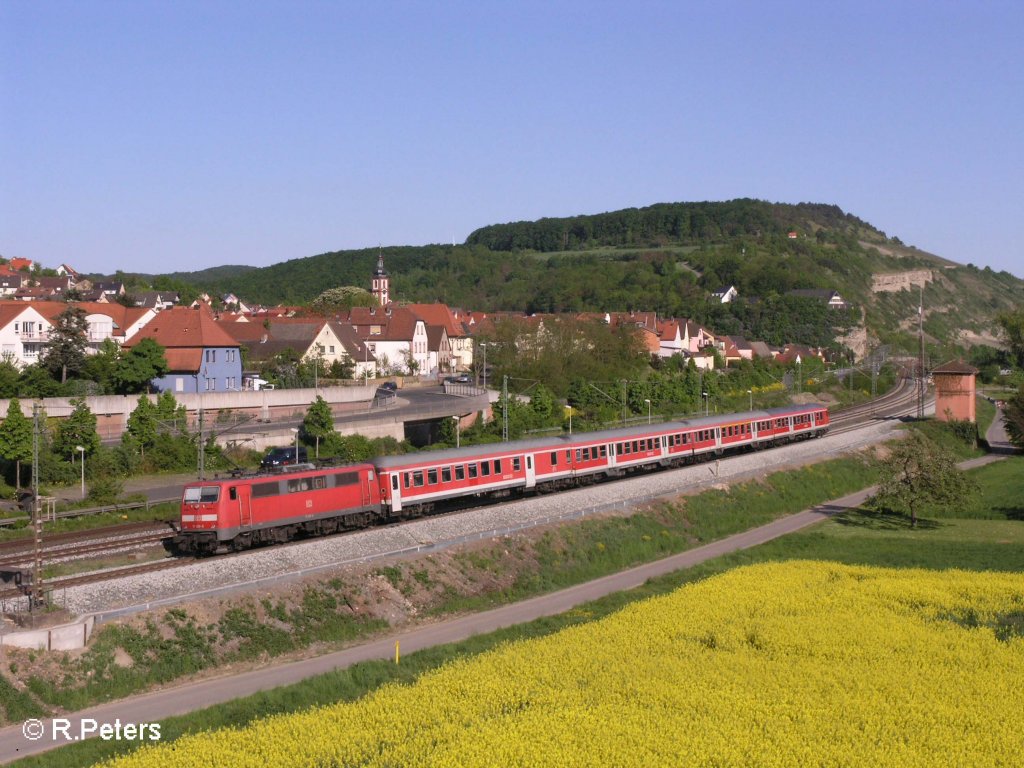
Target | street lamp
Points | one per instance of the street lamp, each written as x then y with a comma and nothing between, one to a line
751,393
484,345
705,396
647,400
457,431
81,453
296,431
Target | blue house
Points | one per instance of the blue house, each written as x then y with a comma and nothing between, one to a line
201,356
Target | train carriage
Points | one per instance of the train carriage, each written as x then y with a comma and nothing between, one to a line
237,512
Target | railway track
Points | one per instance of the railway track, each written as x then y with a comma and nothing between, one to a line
78,544
899,402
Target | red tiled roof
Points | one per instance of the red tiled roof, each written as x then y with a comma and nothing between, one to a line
957,367
438,314
183,360
185,327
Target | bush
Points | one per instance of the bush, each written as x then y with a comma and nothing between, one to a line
105,489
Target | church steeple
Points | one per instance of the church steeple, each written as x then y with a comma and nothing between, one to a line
381,284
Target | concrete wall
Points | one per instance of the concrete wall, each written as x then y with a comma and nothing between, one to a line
112,411
66,637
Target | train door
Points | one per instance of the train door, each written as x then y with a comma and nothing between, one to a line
531,473
242,496
396,493
364,487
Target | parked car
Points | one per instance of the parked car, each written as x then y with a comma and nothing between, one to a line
390,386
282,456
461,378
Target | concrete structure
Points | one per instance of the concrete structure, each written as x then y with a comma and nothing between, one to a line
65,637
955,391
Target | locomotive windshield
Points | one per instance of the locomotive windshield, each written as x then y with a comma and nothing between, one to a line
205,494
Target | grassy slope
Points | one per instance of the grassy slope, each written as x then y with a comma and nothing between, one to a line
991,537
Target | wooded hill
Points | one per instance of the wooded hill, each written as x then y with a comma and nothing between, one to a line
664,258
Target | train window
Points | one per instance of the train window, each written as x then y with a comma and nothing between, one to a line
472,471
619,450
319,482
345,478
408,479
485,468
516,464
497,466
431,477
417,479
568,455
298,484
460,472
579,454
586,454
604,451
446,475
394,481
262,490
554,458
209,494
636,447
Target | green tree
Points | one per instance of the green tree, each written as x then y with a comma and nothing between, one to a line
36,381
1013,417
100,367
318,423
78,429
137,368
920,474
65,349
9,376
142,424
337,299
1012,326
16,438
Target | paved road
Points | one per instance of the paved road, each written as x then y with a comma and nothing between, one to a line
153,707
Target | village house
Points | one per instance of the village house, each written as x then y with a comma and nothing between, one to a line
201,356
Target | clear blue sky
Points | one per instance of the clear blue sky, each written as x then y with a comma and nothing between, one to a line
163,136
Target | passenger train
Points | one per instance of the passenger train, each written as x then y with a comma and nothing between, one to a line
235,513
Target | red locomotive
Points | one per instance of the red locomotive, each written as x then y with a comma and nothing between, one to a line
239,512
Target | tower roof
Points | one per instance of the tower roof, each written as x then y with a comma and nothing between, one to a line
379,271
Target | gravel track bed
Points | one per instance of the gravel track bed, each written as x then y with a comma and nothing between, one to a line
237,571
58,553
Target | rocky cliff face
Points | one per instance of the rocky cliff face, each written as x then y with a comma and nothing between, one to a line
893,282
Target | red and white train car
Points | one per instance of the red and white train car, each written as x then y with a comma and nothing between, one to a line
243,511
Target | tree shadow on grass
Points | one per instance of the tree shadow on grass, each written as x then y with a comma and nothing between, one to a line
1012,513
883,520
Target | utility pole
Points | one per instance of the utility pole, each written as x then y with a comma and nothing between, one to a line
504,409
36,597
202,447
920,356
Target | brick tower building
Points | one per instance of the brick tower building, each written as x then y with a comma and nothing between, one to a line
954,391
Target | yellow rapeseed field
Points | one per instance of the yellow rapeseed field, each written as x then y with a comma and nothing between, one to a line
792,664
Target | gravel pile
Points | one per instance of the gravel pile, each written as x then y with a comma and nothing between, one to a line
279,563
